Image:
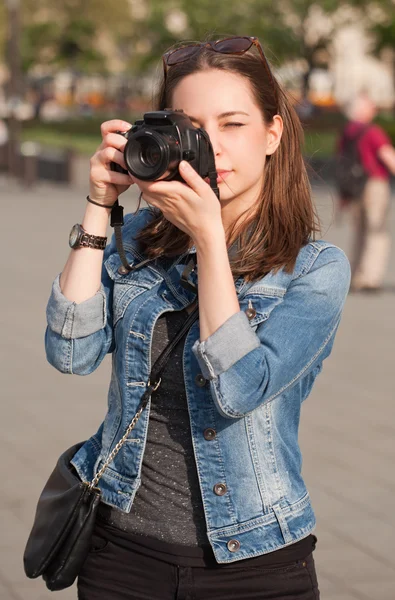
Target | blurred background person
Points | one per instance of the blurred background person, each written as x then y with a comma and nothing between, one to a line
366,161
3,143
3,133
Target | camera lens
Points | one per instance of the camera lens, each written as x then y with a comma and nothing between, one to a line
151,155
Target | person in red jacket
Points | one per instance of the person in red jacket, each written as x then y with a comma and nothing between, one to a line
371,237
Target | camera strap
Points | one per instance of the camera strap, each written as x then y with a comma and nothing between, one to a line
116,222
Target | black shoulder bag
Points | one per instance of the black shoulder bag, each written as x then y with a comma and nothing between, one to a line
60,539
351,176
66,511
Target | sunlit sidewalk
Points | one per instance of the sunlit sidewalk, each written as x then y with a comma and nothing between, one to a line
347,430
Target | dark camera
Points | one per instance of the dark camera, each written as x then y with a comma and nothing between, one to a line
160,141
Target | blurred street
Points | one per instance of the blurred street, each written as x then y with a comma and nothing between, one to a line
347,430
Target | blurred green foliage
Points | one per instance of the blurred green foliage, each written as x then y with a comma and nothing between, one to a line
67,33
317,144
91,35
83,135
51,137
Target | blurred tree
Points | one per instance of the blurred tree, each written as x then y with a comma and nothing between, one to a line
81,36
70,33
86,35
384,39
288,29
385,35
168,22
311,25
70,44
3,28
378,18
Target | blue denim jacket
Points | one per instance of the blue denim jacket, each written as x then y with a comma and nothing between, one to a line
256,374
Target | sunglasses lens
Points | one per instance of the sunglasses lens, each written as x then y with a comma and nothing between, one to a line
233,45
182,54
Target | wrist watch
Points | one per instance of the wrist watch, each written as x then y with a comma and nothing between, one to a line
79,238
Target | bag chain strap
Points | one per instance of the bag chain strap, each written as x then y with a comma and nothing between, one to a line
157,369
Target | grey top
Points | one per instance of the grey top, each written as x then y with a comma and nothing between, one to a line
168,505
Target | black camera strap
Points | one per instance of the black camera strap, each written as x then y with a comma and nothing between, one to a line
117,222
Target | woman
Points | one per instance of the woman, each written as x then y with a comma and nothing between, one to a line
208,501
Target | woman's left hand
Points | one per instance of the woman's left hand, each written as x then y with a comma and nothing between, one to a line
191,206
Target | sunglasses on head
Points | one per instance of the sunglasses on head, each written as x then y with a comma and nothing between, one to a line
233,45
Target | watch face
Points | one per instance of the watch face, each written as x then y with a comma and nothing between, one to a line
74,235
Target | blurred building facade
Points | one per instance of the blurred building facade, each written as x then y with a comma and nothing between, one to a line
349,64
353,68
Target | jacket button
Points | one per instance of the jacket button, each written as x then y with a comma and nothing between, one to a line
209,434
200,380
220,489
251,313
233,545
123,270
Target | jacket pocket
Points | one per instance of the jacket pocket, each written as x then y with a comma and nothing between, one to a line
259,302
127,286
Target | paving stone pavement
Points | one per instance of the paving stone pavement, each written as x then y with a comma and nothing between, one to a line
347,430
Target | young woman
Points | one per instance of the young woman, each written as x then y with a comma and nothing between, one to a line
205,499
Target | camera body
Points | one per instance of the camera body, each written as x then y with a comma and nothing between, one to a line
158,143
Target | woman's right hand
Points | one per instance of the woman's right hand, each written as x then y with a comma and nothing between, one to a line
106,185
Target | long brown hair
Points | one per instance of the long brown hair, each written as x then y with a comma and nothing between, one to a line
269,234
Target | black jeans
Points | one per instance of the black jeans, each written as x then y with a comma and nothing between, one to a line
112,572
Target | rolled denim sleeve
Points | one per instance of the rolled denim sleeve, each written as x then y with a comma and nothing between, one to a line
79,336
71,320
247,368
219,352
